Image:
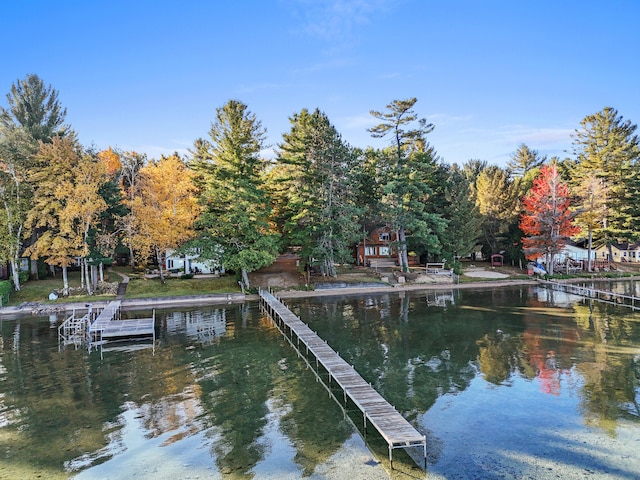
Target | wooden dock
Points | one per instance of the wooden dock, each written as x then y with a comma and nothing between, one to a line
603,296
108,325
393,427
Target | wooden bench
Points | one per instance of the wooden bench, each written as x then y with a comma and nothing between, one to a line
435,267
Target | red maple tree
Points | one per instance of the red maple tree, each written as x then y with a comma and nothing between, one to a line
547,222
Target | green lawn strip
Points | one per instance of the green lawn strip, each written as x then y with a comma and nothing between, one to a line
38,290
153,287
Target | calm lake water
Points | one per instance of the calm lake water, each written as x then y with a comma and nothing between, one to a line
506,383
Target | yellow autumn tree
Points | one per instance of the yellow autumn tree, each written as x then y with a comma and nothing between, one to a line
84,204
111,160
164,208
67,204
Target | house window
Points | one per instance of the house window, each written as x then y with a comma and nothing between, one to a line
369,251
169,263
384,237
624,254
385,251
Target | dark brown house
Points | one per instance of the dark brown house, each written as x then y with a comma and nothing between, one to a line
380,244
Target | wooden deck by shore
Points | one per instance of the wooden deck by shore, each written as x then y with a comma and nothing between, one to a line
98,328
390,424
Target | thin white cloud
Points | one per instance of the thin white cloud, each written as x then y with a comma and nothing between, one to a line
334,20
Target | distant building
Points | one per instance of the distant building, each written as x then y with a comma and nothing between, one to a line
380,244
620,252
191,262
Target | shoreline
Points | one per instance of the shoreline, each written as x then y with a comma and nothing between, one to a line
38,308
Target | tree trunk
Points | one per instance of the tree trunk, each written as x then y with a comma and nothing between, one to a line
245,277
65,281
94,276
364,247
159,259
589,247
399,249
102,272
15,274
33,269
87,277
403,245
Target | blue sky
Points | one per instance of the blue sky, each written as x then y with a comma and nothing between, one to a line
489,74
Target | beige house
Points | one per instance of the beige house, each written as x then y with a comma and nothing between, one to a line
620,252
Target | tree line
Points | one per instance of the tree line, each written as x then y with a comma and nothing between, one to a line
319,195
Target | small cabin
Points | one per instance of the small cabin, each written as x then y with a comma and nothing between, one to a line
380,244
620,252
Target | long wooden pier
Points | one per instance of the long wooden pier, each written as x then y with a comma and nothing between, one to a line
393,427
603,296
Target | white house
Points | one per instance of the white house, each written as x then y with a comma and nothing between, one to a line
573,252
190,262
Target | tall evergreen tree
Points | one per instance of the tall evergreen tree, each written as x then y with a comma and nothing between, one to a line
236,207
498,203
35,107
369,194
461,212
315,171
608,147
408,166
523,161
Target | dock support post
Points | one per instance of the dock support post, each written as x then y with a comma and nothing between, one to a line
424,449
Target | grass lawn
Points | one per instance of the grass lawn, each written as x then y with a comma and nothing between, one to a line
153,287
39,290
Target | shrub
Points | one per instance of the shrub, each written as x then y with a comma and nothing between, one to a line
5,290
23,276
186,276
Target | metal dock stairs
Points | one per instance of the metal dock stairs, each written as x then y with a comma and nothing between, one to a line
390,424
99,327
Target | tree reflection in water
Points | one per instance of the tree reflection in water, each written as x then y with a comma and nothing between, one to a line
225,378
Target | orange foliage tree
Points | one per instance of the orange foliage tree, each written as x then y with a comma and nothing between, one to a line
547,222
164,209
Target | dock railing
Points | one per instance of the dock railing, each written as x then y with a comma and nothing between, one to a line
603,296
